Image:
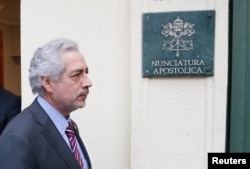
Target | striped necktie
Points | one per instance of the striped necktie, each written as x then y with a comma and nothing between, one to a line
72,141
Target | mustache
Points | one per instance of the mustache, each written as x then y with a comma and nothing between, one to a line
84,93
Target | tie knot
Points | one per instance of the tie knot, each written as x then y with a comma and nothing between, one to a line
70,130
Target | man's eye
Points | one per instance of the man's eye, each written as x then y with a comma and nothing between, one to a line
76,75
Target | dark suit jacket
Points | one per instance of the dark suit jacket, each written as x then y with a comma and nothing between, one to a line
31,141
10,106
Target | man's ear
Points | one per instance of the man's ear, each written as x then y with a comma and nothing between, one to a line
47,84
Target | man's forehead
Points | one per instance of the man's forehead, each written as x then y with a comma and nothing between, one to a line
77,67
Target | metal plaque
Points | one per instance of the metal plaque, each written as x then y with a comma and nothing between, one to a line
178,44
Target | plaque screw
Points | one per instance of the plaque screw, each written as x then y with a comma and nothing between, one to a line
209,14
208,69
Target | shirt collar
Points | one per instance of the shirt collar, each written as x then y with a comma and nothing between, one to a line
57,118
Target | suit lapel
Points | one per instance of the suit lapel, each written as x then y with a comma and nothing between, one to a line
51,134
59,144
82,145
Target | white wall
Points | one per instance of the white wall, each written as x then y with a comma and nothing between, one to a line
130,121
177,120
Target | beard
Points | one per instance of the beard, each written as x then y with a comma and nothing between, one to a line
67,104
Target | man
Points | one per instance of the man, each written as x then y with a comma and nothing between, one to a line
10,106
42,135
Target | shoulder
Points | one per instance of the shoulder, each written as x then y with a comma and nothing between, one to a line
7,94
8,98
26,121
23,122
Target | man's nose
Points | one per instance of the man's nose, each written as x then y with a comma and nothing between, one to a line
86,81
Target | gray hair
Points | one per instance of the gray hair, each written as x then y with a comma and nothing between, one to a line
47,62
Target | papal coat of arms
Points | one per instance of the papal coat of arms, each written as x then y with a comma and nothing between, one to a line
177,31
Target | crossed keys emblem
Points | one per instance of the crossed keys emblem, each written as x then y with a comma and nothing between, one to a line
177,30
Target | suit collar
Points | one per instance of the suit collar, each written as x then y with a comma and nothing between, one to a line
81,144
57,142
49,131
